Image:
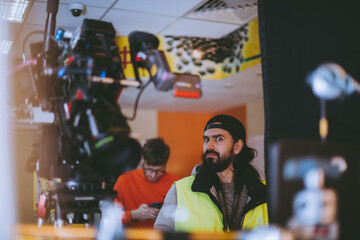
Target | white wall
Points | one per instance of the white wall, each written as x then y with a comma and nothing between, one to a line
255,130
257,142
255,118
145,124
7,179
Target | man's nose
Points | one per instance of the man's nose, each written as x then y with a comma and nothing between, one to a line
210,145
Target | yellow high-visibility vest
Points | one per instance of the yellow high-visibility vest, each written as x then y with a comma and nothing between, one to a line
196,212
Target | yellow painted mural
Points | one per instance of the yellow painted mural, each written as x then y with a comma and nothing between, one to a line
251,50
209,58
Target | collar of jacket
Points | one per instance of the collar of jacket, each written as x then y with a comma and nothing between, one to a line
206,179
205,182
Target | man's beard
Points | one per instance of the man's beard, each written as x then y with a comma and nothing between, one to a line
220,164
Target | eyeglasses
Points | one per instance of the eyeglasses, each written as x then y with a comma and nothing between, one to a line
151,171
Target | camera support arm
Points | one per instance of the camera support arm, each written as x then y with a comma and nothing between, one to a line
49,58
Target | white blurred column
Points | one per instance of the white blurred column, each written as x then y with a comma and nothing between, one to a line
7,173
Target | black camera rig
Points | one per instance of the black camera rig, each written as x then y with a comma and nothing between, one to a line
79,80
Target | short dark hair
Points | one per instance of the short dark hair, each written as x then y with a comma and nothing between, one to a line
156,152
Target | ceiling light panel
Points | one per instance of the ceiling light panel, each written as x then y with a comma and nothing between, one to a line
13,10
228,11
5,46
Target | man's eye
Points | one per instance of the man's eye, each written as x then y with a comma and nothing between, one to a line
206,140
219,139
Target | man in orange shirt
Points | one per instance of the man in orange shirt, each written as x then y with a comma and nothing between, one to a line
142,191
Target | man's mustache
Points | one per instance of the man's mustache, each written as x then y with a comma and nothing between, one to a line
211,151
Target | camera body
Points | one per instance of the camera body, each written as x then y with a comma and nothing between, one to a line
92,131
76,9
89,145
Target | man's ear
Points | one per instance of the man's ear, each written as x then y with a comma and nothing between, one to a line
238,146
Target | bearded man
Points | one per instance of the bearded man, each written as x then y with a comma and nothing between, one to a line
224,193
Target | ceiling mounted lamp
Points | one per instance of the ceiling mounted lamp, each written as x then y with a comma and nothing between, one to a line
13,10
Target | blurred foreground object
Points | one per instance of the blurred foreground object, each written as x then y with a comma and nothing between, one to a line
324,207
330,81
271,232
315,209
28,231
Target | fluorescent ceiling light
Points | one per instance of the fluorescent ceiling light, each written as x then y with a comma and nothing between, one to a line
13,10
5,46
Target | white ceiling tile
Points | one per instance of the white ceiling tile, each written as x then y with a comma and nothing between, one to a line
226,16
199,28
247,87
67,20
64,17
174,8
125,22
94,3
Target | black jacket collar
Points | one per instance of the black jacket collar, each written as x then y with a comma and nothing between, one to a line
206,178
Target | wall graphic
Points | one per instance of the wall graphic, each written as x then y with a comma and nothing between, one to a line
208,58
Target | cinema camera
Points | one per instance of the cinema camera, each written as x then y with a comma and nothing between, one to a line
80,79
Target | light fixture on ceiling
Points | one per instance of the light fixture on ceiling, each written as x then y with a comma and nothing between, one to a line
5,46
228,11
13,10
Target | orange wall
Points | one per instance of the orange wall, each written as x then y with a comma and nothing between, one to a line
183,133
238,112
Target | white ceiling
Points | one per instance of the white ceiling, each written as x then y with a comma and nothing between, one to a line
235,90
160,17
